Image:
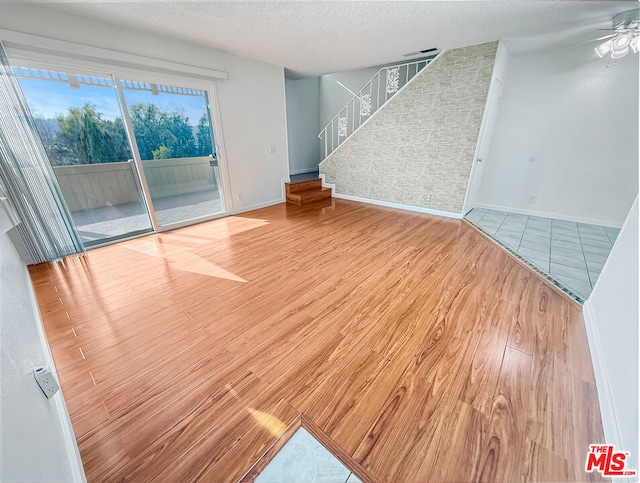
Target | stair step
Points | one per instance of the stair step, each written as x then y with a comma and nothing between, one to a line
300,186
309,196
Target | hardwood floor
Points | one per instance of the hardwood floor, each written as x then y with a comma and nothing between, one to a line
413,344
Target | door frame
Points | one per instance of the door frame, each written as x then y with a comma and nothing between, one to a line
498,72
484,137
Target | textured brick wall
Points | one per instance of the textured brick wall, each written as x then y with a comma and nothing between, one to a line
421,144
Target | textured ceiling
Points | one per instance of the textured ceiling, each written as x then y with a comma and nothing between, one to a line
313,38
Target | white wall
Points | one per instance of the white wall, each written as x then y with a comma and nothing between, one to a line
303,123
252,107
611,317
36,438
567,132
251,101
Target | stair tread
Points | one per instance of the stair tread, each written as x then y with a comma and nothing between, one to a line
309,196
300,186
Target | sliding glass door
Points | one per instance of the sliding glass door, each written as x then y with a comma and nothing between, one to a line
81,125
130,157
174,138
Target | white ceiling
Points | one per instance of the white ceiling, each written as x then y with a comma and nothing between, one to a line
319,37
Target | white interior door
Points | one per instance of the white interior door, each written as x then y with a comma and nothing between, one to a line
482,152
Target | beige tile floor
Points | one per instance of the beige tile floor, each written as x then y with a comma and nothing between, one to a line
570,253
304,460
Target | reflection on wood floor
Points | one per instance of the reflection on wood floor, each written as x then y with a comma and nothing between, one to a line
422,350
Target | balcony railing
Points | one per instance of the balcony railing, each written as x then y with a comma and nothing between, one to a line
90,186
382,87
177,176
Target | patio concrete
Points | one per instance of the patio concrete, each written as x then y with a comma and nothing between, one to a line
109,222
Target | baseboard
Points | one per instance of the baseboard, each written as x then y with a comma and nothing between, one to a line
555,216
257,206
303,171
605,398
388,204
58,401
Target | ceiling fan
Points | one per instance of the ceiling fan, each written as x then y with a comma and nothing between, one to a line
625,37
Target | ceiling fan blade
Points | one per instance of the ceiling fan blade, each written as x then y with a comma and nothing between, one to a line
604,37
595,40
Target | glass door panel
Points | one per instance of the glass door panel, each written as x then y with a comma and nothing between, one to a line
173,133
79,120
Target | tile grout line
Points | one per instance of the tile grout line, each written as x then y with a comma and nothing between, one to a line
522,234
502,222
480,219
550,243
584,257
526,224
607,233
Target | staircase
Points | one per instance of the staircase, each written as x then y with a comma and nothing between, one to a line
306,192
385,84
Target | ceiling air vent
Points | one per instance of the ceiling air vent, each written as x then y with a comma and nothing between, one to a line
433,51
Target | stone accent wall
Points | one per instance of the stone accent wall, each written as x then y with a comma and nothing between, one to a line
418,149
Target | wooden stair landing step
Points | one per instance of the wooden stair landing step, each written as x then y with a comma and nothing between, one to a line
307,192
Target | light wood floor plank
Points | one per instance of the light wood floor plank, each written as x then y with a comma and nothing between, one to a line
414,346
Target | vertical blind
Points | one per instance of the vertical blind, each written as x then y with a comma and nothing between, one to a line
46,227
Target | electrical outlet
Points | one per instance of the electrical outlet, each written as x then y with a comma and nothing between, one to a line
240,196
272,148
428,198
533,198
46,380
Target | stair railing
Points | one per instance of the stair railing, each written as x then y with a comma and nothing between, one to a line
382,87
